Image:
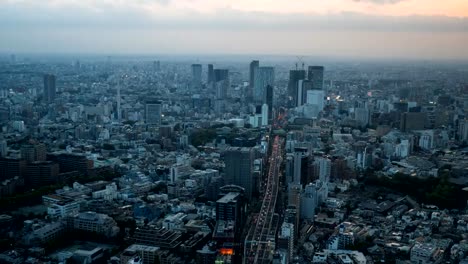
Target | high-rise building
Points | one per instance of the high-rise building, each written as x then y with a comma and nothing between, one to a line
196,75
210,73
239,167
3,148
300,165
413,121
265,116
303,86
286,240
269,101
309,201
230,208
263,77
221,85
253,66
221,75
323,166
10,168
72,162
42,173
462,133
49,88
315,75
153,112
316,98
294,77
34,152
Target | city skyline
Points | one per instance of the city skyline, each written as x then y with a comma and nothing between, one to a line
414,29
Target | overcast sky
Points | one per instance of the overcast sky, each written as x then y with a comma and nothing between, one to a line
425,29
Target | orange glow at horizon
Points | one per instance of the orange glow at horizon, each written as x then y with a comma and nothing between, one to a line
451,8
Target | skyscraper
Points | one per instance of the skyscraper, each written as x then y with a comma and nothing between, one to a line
263,76
153,112
210,73
221,75
239,167
269,100
253,66
221,83
294,77
49,88
315,75
196,75
302,87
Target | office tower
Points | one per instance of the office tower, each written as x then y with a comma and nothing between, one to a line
230,208
294,77
239,167
49,88
412,121
153,112
265,116
301,157
316,98
196,75
269,100
263,76
309,201
221,75
315,102
286,240
323,166
221,85
206,255
72,162
210,74
253,67
303,86
315,75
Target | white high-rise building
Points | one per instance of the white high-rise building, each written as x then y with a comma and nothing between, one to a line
324,169
426,140
315,101
265,115
309,201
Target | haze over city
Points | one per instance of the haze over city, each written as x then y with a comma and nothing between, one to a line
405,29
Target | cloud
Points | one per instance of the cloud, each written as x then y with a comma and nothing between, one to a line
380,2
157,14
165,26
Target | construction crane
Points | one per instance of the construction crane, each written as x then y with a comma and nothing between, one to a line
300,60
